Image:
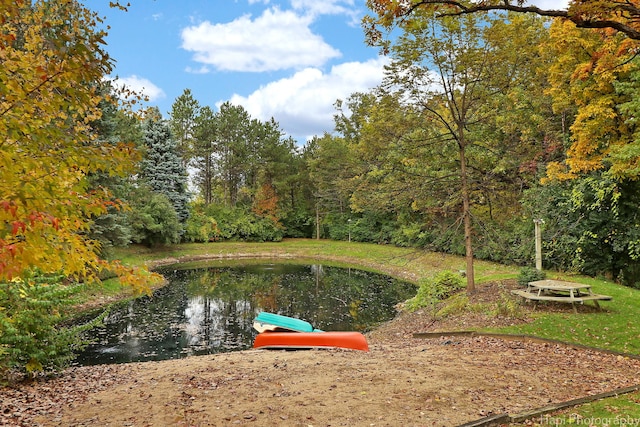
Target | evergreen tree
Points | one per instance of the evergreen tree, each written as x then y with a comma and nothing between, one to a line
162,168
204,153
184,113
114,126
234,143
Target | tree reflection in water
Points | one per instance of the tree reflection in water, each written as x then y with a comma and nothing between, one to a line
211,309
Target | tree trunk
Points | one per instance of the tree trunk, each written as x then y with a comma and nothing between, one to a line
466,215
317,222
208,196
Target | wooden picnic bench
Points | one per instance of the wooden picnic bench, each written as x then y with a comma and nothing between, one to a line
560,291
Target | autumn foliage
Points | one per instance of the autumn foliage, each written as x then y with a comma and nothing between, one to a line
266,204
53,63
595,72
617,15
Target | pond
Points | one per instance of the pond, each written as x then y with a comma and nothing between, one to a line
211,309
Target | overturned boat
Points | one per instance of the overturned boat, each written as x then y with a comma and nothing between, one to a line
308,340
283,332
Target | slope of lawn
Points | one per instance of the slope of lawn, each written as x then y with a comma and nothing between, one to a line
614,328
405,263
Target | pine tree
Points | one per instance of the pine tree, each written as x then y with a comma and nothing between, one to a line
115,125
184,113
162,168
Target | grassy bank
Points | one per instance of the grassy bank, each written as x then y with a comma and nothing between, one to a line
614,328
406,263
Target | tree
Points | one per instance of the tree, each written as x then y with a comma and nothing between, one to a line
162,168
52,64
204,152
184,113
460,75
275,169
246,164
597,73
266,203
115,125
328,160
599,79
619,15
233,139
598,230
153,218
589,67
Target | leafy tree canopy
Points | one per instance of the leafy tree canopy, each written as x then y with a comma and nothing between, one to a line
619,15
53,61
598,74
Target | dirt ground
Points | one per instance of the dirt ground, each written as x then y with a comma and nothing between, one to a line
401,381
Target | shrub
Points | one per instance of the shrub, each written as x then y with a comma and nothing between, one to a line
31,339
507,306
436,289
528,274
153,219
455,305
242,224
201,228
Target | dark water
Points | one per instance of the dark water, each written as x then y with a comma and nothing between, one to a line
211,310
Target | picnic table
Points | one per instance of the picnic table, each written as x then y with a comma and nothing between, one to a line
560,291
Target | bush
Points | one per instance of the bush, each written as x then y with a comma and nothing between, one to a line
298,224
507,306
457,304
236,224
153,219
436,289
528,274
31,339
201,228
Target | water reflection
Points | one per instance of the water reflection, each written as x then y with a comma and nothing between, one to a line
211,310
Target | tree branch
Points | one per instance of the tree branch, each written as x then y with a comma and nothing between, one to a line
458,8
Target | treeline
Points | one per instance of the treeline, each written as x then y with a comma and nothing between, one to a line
205,176
473,135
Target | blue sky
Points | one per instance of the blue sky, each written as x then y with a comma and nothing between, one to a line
286,59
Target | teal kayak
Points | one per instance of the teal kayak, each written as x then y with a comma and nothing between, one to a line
276,322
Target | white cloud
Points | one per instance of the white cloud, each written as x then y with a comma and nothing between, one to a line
327,7
276,40
303,104
139,85
200,70
550,4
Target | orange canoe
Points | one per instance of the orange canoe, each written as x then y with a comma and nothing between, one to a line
300,340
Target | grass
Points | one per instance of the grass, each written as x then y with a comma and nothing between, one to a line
406,263
615,328
614,411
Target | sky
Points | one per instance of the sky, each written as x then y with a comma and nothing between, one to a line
284,59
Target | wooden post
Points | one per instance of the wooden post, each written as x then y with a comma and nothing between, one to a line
538,236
